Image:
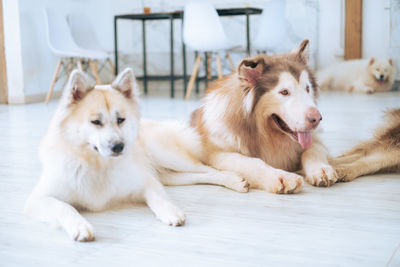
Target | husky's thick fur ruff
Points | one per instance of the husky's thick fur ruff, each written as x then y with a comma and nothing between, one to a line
95,155
364,76
380,154
259,121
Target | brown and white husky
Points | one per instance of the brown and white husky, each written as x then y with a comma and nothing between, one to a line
259,123
380,154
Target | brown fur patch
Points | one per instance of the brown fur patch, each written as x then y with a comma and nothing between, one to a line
389,134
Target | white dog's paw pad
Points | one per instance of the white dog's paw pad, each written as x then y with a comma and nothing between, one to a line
172,216
369,90
239,185
322,177
81,231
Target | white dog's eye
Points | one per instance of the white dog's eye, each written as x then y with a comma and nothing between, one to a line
120,120
96,122
284,92
308,89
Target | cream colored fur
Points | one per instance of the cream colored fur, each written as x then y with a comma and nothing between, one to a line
358,76
81,170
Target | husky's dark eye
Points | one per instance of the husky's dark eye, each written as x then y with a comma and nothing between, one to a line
308,89
96,122
120,120
284,92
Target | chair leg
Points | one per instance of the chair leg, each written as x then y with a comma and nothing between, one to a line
53,82
219,66
111,65
93,67
70,65
209,66
193,77
79,64
228,57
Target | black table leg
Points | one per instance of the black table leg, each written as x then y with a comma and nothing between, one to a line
115,47
248,33
144,57
196,53
184,63
172,75
206,71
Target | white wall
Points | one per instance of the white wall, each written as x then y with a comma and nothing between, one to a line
12,44
330,31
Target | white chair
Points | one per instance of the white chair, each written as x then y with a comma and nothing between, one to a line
203,32
85,37
272,29
62,44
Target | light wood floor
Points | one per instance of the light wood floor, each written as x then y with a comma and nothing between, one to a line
349,224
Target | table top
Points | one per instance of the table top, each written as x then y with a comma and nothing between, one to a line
178,14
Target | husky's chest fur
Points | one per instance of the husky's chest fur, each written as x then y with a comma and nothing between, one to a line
224,126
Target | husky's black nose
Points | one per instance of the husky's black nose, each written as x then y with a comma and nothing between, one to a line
117,148
381,77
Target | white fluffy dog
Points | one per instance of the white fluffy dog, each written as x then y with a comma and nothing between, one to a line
365,76
95,155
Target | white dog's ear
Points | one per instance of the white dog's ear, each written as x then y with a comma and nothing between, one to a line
77,87
390,61
302,53
126,83
251,70
371,61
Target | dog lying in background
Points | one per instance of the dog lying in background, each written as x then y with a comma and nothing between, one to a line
365,76
97,154
381,154
259,123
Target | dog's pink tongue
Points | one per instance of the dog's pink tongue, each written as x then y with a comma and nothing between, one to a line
305,139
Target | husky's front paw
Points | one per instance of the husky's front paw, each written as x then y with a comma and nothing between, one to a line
344,173
286,183
172,215
321,176
80,230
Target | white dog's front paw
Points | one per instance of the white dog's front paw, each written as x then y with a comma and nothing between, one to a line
284,183
323,175
369,90
80,230
235,182
171,215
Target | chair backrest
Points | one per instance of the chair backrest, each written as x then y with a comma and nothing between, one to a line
83,32
202,27
272,25
59,35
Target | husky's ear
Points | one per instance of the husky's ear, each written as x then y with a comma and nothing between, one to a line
302,52
390,61
77,87
126,83
371,61
251,70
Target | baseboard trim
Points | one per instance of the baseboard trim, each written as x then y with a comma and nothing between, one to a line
29,99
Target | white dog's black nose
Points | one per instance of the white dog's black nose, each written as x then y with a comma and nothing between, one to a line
117,148
381,77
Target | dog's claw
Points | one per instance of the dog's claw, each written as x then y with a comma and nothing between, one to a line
324,176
